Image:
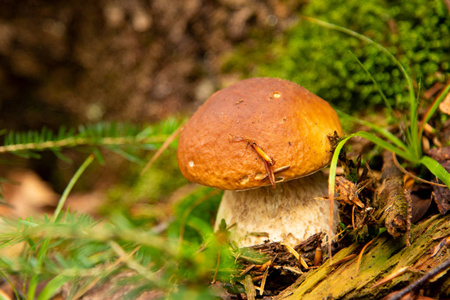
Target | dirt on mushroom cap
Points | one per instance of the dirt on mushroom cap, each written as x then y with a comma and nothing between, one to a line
290,123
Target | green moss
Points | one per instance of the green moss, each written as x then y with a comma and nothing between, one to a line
417,32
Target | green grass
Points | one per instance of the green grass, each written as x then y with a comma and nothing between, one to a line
75,249
409,146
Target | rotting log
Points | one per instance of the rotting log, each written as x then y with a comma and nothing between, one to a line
384,257
392,198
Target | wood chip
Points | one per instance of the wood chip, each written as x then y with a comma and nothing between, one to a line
250,290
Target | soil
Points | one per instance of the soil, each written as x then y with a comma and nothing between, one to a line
66,63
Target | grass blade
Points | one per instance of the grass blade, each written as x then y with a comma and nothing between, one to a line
384,132
71,184
331,183
53,286
437,169
384,144
415,142
45,244
380,91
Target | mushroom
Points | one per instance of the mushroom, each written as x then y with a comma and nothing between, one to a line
263,141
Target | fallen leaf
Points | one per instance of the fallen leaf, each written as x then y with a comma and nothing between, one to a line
444,106
419,207
28,194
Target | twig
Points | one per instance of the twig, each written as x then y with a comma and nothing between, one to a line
392,199
249,288
268,160
246,270
430,109
297,255
408,219
422,280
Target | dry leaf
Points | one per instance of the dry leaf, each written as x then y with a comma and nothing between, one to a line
348,192
28,194
444,106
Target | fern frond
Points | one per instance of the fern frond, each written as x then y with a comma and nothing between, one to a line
121,138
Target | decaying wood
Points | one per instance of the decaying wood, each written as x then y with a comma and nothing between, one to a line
363,270
418,283
278,265
250,290
384,257
391,198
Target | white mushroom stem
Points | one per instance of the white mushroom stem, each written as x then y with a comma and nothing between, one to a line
287,214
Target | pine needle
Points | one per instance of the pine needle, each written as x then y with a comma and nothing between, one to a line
164,146
391,276
297,255
263,281
358,262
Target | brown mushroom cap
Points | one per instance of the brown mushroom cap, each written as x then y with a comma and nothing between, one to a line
285,120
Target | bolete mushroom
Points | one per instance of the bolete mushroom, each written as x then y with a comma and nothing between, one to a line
264,141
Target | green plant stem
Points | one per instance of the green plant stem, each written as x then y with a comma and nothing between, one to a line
45,244
52,287
331,184
388,146
10,283
70,186
377,86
